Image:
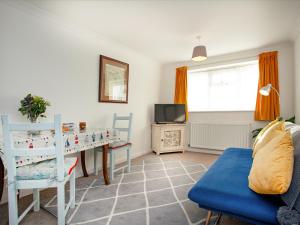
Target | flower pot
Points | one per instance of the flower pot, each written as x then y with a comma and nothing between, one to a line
33,132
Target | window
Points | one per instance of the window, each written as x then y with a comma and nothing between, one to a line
226,88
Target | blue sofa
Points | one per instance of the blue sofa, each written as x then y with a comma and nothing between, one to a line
224,189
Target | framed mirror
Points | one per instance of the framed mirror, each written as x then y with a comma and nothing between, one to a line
113,80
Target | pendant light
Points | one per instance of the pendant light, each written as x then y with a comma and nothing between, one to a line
199,52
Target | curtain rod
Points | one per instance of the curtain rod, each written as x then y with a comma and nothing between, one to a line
225,61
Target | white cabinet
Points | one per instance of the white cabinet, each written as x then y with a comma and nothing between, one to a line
168,138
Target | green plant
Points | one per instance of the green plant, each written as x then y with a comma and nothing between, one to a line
256,131
34,107
292,119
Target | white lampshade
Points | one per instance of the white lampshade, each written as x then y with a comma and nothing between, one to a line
199,53
265,91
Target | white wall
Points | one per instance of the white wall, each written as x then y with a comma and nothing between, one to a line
286,79
297,78
41,56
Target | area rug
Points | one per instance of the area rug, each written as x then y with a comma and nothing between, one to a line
153,193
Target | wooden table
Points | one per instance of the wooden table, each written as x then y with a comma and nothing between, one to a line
74,142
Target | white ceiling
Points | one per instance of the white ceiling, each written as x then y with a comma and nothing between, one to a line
166,30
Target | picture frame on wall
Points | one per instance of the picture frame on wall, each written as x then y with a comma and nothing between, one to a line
113,80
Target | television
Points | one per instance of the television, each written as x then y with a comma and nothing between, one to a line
169,113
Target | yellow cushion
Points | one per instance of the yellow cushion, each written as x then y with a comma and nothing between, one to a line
263,131
272,167
269,133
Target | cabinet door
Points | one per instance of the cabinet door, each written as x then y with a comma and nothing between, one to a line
171,138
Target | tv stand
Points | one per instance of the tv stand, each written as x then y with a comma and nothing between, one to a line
169,137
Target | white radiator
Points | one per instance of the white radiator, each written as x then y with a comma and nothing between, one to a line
219,136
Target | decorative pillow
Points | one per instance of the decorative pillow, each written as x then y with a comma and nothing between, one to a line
263,131
292,196
289,125
269,133
272,167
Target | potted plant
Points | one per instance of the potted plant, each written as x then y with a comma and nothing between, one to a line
256,131
34,107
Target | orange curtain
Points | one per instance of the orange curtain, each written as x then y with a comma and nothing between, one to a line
267,107
181,88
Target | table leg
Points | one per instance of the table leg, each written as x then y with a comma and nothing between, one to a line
207,222
82,154
104,164
1,178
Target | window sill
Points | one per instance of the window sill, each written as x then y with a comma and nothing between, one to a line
224,111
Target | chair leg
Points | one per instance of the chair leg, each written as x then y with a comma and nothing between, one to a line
112,165
61,203
72,189
218,219
129,159
12,204
36,199
209,213
95,162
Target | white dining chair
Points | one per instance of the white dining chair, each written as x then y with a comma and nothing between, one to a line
45,174
117,145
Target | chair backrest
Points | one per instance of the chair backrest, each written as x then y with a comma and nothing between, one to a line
11,152
127,129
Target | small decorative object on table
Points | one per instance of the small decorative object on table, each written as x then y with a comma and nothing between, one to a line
34,107
68,127
82,126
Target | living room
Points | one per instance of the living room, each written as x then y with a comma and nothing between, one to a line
176,76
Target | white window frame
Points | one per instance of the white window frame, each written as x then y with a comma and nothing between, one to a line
223,65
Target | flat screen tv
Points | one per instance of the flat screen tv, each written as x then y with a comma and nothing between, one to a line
169,113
